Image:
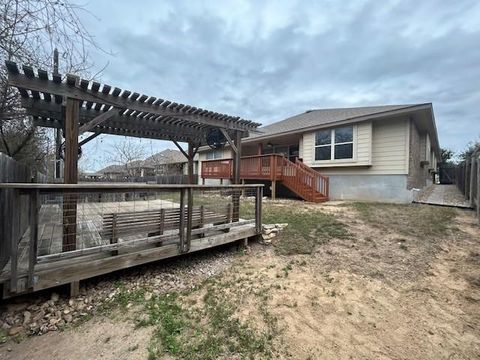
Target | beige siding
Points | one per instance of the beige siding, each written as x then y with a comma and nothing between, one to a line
362,140
388,151
227,154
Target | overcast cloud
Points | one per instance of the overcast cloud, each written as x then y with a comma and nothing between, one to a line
267,60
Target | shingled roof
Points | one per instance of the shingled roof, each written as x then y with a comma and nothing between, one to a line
167,156
320,117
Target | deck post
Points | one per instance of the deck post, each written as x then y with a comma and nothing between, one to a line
181,225
274,189
33,245
258,209
70,174
74,288
191,155
236,175
260,149
13,231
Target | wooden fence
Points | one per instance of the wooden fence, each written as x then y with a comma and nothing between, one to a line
157,179
12,171
467,179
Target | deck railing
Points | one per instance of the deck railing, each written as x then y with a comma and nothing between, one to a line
321,182
268,167
83,220
217,169
301,179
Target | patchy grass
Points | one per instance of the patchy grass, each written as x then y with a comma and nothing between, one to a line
201,323
412,219
3,336
307,227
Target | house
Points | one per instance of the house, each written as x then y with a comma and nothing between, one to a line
375,153
113,172
167,163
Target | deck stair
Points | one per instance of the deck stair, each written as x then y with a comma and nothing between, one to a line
301,179
307,183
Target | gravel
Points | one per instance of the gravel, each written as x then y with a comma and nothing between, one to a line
38,314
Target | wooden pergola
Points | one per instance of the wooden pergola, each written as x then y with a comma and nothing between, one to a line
78,106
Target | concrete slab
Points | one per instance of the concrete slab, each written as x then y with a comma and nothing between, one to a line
445,195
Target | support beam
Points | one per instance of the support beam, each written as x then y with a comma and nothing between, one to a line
33,244
74,288
181,225
58,132
274,189
86,140
237,157
229,140
97,120
236,175
71,141
70,174
190,156
260,149
180,148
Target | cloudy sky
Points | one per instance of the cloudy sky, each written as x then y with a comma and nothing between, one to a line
267,60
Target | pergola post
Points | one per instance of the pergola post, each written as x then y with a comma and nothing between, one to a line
58,132
236,174
70,174
191,155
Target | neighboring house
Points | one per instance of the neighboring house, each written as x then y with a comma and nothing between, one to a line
165,163
139,168
113,172
89,176
379,153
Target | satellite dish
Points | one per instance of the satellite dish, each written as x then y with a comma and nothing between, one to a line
215,139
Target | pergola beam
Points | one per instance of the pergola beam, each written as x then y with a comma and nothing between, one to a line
128,122
97,120
71,90
57,124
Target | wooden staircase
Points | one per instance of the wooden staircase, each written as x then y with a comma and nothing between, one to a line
307,183
301,179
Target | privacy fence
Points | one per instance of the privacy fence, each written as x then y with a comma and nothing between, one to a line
158,179
467,179
12,171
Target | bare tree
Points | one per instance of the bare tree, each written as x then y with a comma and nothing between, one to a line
30,30
127,154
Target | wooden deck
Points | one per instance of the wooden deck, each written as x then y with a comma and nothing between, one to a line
89,227
96,253
304,181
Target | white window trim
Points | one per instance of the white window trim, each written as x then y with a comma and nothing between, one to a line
213,152
332,159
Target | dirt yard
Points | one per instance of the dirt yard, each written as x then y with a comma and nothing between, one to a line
343,281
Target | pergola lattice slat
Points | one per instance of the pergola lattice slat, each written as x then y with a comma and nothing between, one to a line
138,110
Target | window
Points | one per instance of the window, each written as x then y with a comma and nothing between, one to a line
334,144
215,154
